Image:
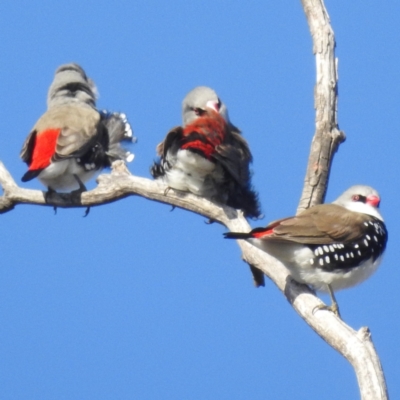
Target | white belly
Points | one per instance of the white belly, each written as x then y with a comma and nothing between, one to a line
59,175
297,260
188,172
339,279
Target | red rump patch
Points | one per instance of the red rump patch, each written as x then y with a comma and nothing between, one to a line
259,235
44,148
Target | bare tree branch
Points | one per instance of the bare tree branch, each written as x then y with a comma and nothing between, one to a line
325,143
327,136
111,187
355,346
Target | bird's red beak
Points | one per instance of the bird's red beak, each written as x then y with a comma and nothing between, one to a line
213,105
373,200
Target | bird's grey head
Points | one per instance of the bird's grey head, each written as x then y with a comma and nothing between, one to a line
71,85
361,198
197,100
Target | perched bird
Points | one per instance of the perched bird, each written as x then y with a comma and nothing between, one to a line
72,140
329,246
208,156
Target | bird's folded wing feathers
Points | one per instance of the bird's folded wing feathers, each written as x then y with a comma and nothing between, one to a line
27,147
79,128
173,135
321,224
235,156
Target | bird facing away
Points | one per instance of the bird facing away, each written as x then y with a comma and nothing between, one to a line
329,246
208,156
72,140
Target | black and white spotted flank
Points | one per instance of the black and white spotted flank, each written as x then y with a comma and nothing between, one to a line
328,246
344,256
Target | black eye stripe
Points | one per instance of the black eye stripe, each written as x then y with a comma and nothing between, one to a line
360,198
74,87
198,111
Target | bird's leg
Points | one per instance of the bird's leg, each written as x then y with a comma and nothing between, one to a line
166,192
82,188
334,307
47,197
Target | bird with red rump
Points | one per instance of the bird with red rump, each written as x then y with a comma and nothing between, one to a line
72,140
328,246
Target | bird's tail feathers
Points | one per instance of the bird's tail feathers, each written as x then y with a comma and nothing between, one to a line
237,235
119,130
247,200
29,175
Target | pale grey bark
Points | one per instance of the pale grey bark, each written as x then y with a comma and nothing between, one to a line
355,346
327,136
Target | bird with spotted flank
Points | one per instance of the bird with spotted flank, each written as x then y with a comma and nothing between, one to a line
329,246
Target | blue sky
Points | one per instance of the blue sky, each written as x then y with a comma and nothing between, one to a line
138,302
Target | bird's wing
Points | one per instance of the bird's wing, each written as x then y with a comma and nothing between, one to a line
27,147
171,141
234,155
321,224
78,126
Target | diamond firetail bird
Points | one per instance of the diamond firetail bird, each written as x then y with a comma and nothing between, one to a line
329,246
72,140
208,156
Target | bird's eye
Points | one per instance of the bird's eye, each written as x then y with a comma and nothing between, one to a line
219,104
359,197
198,111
